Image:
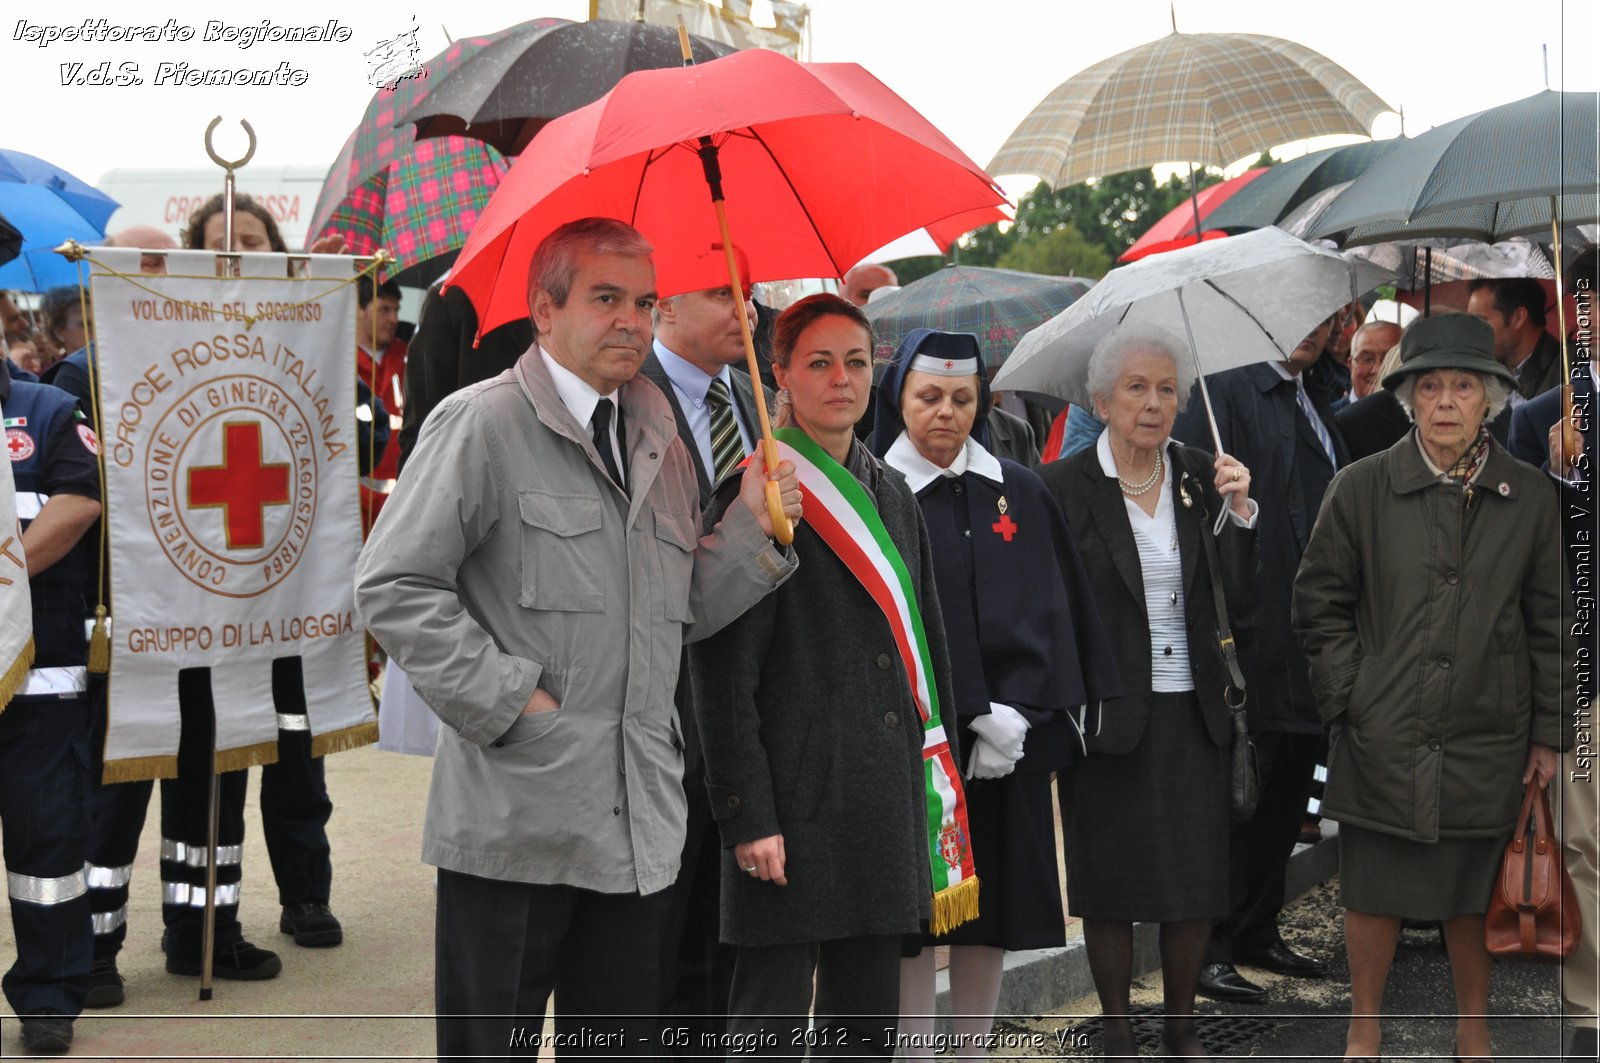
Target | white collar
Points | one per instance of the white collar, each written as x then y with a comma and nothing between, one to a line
1297,379
576,395
688,377
1108,464
920,472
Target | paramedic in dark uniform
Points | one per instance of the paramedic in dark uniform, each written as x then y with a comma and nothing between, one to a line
44,730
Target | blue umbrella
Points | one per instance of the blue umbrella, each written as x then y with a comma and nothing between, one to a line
20,168
44,222
47,205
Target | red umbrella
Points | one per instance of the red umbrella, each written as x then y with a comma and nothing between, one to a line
1176,227
822,164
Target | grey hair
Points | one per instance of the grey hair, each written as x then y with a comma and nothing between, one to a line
555,260
1111,354
1496,390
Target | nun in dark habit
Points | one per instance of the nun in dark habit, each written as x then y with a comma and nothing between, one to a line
1029,659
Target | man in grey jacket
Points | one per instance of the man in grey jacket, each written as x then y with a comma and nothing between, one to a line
536,573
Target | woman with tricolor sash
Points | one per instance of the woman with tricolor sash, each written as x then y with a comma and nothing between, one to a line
1030,665
831,777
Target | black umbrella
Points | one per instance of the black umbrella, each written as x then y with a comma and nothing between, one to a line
10,241
1505,161
1273,195
506,92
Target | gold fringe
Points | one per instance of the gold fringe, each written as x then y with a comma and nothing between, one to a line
12,678
362,734
99,643
954,906
247,756
138,769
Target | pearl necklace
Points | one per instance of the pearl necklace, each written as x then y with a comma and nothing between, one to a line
1133,490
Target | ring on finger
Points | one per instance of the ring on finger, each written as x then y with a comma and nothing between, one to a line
750,870
1236,476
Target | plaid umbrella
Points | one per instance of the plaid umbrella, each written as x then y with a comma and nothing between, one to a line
1288,184
418,200
1206,98
996,305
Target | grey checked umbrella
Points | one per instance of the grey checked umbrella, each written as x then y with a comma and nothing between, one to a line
1275,194
1206,98
996,305
1487,176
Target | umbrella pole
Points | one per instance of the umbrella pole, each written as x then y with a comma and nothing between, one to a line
1205,396
1427,281
1194,201
782,530
1571,438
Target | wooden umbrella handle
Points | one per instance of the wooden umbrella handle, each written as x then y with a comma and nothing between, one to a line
782,529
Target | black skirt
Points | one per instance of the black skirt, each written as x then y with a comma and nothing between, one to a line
1014,854
1147,831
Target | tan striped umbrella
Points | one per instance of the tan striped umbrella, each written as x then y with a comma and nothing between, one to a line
1206,98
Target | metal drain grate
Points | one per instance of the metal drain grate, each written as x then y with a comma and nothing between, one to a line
1223,1035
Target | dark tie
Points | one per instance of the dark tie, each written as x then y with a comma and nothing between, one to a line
601,422
727,449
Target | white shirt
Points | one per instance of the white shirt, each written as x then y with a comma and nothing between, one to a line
580,400
690,383
1162,566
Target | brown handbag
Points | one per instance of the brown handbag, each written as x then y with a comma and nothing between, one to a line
1533,913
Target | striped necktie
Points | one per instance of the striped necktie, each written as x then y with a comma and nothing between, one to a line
727,449
1309,408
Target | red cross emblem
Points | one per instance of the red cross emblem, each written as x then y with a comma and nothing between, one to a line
19,444
949,365
243,486
1005,527
951,846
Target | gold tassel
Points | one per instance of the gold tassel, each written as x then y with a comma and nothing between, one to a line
362,734
140,769
954,906
99,643
247,756
12,679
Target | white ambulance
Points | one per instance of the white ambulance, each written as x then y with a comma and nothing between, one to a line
165,198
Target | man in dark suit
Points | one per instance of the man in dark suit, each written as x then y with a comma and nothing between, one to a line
1514,307
1287,437
697,344
442,358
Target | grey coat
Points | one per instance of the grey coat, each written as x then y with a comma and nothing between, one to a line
810,731
507,560
1435,640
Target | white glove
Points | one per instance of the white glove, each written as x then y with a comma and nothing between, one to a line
988,762
1005,728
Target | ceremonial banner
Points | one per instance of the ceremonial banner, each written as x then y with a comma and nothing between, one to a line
229,436
16,608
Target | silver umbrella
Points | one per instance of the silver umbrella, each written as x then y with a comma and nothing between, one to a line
1244,299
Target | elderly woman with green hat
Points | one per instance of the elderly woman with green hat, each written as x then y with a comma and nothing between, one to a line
1429,603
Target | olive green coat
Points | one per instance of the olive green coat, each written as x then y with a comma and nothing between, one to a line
1432,622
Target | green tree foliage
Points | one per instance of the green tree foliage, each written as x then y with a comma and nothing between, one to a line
1108,215
1061,252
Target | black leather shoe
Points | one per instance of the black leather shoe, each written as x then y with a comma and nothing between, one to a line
312,925
46,1033
1220,981
242,962
1281,959
105,984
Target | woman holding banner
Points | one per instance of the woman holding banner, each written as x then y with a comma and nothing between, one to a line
829,774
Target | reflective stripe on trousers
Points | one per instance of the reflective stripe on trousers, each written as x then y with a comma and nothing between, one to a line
181,893
46,890
195,855
106,922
